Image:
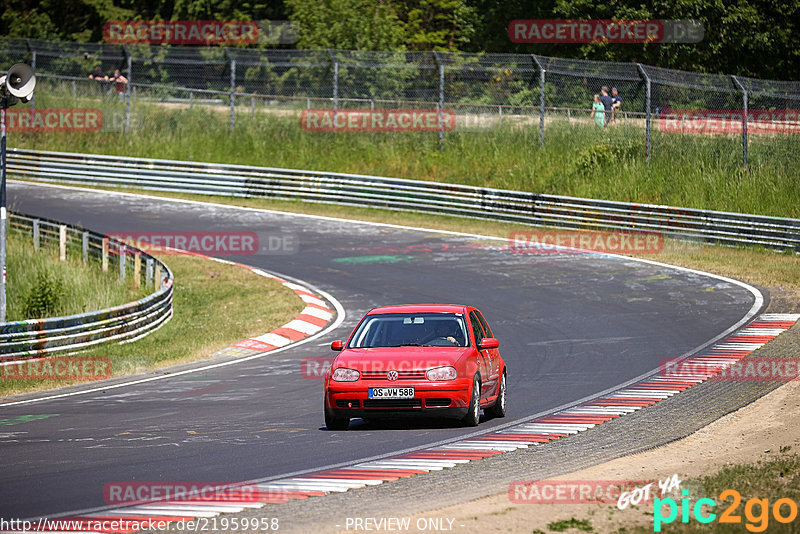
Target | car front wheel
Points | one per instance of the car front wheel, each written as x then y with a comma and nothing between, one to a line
336,423
473,416
499,408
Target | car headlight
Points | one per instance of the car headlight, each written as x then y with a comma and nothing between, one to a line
438,374
343,374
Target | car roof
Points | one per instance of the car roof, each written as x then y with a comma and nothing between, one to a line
419,308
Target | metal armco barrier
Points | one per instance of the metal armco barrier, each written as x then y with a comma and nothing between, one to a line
401,194
43,337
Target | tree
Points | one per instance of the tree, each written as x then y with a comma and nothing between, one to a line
446,25
347,24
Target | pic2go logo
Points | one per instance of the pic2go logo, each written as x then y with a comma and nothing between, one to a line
756,511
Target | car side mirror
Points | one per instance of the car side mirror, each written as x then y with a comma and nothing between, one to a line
488,343
337,345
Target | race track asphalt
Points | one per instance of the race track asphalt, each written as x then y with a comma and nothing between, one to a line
570,325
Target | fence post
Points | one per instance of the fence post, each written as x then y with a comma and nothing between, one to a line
744,118
253,107
647,110
122,262
233,86
440,65
137,270
85,246
191,100
105,255
233,92
148,272
541,99
335,85
128,92
36,234
33,66
62,242
157,281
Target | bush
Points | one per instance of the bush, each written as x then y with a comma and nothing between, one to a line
43,297
597,156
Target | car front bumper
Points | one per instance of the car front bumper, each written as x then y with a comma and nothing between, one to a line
431,399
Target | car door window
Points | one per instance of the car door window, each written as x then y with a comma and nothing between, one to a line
485,325
476,328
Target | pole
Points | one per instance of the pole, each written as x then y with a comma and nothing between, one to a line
441,97
744,118
335,85
128,90
647,110
3,214
233,91
33,66
541,99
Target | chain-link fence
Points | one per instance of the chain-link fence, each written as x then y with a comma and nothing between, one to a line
661,110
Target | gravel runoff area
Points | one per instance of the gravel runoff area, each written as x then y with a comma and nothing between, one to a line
644,445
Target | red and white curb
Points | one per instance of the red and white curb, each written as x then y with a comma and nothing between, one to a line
314,317
540,430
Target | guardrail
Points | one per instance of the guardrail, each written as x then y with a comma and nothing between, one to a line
401,194
43,337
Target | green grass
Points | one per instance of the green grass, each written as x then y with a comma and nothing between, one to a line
582,525
577,159
204,291
40,285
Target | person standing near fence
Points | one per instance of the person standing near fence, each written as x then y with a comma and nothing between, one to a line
598,111
120,83
100,77
607,102
98,74
616,103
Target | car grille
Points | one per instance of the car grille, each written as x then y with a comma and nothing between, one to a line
392,403
401,375
437,403
343,403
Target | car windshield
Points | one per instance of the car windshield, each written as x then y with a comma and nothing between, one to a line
410,330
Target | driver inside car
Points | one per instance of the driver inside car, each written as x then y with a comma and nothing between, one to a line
444,330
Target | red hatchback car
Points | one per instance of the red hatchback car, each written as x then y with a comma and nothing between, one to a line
427,359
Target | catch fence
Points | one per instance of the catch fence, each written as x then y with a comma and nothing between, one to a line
742,115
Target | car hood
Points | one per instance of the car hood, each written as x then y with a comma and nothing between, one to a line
399,358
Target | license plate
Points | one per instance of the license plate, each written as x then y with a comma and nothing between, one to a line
391,393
